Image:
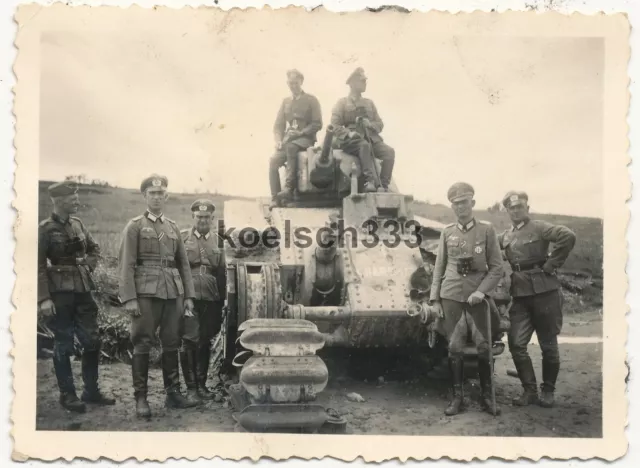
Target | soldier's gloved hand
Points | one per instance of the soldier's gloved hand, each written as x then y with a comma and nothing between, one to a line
475,298
188,307
47,309
132,307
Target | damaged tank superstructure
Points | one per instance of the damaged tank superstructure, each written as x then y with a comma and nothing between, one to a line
334,267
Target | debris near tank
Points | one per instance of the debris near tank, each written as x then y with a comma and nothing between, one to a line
355,397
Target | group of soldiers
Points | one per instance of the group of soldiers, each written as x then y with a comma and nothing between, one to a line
357,127
469,267
174,280
170,281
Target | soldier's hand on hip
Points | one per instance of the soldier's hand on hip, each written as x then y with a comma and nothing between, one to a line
188,307
132,307
437,306
475,298
47,309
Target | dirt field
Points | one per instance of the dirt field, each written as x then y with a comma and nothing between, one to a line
396,404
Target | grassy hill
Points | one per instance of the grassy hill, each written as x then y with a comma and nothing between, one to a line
105,211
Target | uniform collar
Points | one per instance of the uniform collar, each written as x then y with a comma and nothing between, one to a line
295,98
520,225
153,218
58,219
468,226
198,235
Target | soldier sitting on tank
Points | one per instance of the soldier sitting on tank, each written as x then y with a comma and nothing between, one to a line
297,123
358,133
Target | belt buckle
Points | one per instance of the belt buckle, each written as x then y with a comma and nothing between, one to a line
203,269
164,263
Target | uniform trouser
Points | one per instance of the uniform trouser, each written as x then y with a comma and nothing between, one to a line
461,322
76,315
380,150
541,313
156,313
199,330
289,155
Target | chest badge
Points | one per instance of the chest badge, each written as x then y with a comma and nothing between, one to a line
478,250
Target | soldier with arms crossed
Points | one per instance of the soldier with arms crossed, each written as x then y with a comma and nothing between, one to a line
157,289
537,301
206,260
468,267
64,295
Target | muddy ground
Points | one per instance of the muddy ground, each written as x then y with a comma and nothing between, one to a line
396,402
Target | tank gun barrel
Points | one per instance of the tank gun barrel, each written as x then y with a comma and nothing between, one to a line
326,146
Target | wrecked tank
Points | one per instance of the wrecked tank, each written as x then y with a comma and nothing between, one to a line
332,267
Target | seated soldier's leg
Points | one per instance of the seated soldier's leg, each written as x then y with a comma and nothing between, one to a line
547,320
387,155
190,330
519,336
291,181
63,331
86,324
478,318
456,330
277,161
368,167
171,314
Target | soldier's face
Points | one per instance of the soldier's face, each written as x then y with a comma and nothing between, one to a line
518,212
69,204
202,221
359,85
295,85
463,208
156,198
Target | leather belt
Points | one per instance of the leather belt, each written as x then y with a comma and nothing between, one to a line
202,270
161,262
526,267
69,261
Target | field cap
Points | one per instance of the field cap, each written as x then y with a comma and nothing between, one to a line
293,73
514,197
460,191
357,73
203,206
62,189
154,180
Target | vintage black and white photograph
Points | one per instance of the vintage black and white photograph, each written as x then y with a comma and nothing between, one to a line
311,224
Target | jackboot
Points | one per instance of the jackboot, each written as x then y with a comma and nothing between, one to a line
386,170
92,393
204,355
528,379
484,374
171,377
140,374
550,372
188,361
68,398
456,366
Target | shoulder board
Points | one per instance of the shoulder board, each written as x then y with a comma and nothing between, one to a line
138,218
170,220
486,223
44,222
76,218
185,231
450,225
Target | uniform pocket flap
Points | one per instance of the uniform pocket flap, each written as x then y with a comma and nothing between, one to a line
146,282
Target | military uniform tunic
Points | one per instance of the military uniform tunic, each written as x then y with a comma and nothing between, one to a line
67,254
154,268
206,260
537,300
468,260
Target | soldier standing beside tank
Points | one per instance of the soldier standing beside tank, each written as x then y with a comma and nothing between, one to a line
360,116
64,295
154,278
298,121
537,301
468,267
207,264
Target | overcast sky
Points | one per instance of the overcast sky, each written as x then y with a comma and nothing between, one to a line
197,103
